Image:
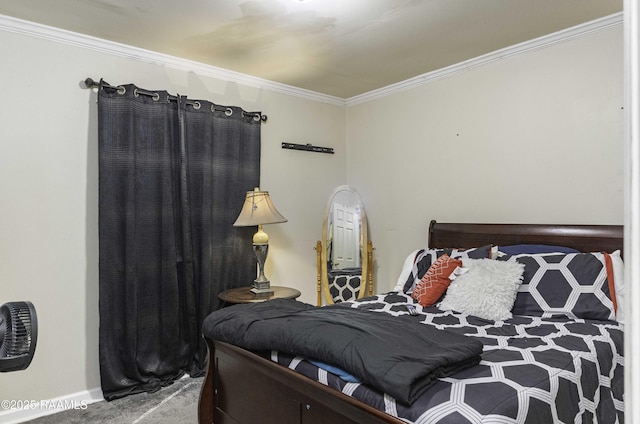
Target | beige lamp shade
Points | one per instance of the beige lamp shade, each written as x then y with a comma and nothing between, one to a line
258,209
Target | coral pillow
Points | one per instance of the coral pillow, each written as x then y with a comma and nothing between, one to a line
436,280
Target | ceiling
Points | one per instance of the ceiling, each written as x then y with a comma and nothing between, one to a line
340,48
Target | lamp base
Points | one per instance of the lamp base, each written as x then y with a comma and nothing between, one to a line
261,287
261,291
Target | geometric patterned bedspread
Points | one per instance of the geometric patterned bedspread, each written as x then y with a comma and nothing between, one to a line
533,370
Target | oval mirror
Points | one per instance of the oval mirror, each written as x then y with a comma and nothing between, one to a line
345,251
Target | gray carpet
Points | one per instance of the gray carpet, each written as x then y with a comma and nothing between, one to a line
177,403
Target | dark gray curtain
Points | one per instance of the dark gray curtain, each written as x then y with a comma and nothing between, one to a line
173,174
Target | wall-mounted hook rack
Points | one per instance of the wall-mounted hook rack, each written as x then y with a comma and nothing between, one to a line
307,147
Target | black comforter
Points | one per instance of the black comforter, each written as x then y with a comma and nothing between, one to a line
397,355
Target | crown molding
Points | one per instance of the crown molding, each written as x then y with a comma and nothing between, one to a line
525,47
20,26
33,29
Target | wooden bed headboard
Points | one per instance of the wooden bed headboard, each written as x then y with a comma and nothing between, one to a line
586,238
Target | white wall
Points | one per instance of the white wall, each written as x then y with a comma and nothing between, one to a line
536,137
48,190
299,183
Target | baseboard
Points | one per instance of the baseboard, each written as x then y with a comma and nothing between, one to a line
29,409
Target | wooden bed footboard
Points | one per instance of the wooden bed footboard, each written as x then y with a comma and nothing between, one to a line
243,388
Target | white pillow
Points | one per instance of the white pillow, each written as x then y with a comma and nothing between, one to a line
406,271
618,282
487,290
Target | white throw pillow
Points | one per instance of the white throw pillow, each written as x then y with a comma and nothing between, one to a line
406,271
487,290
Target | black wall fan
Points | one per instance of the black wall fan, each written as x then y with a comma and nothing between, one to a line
18,335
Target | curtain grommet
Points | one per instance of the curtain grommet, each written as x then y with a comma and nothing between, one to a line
121,90
228,111
256,116
154,96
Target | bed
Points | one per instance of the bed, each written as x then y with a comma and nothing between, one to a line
562,363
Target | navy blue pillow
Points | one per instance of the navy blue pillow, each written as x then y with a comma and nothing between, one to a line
532,249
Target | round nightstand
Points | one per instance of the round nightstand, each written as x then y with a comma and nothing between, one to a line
243,295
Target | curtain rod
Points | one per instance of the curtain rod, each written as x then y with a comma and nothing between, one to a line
91,83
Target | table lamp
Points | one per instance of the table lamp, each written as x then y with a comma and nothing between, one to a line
259,210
